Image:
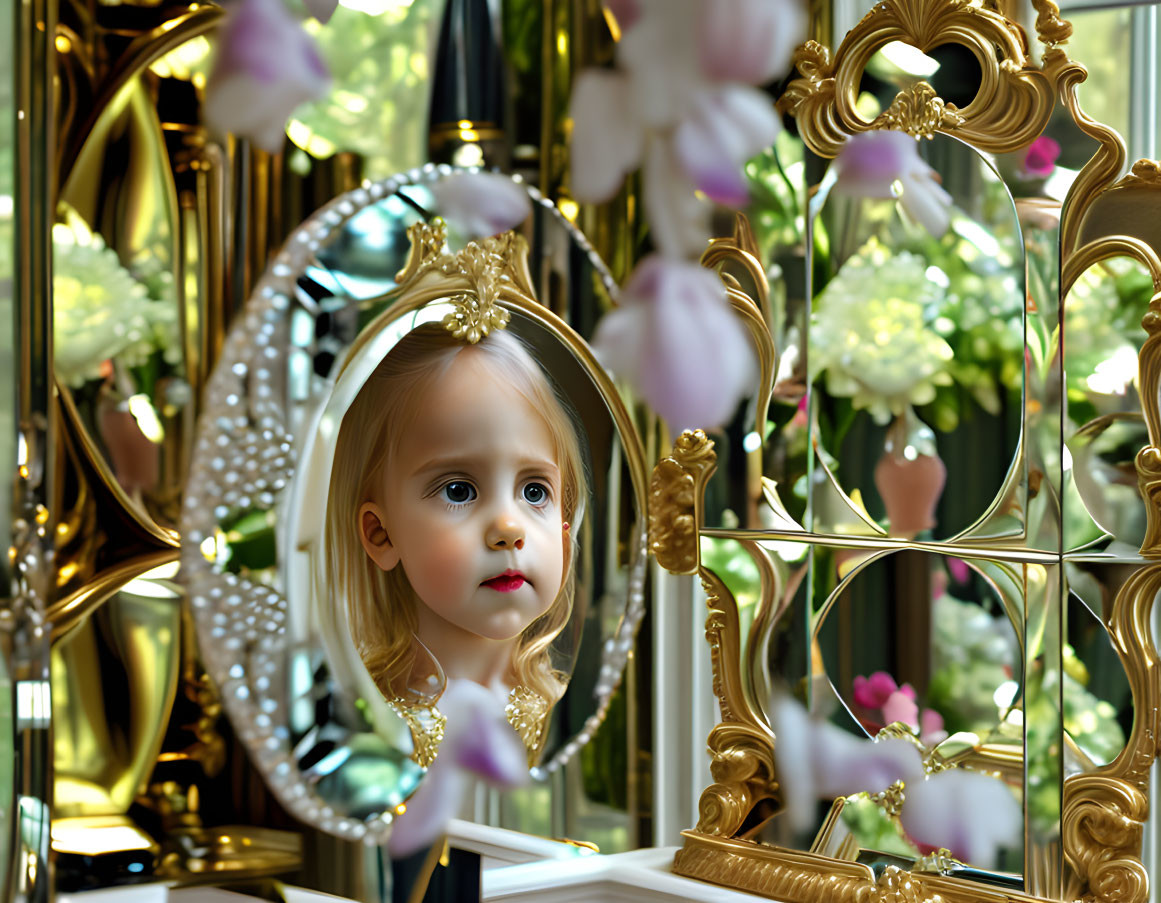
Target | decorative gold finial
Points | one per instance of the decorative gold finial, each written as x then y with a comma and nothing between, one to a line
476,277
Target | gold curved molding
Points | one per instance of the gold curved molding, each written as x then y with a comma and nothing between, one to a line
1104,811
1117,210
1010,109
741,248
143,50
676,489
791,876
742,745
1102,169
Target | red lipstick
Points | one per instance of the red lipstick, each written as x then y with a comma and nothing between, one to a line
507,582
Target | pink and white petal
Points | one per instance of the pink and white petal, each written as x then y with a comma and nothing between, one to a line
926,202
265,67
481,204
725,126
678,219
970,814
478,741
749,41
659,53
674,312
845,764
607,138
870,163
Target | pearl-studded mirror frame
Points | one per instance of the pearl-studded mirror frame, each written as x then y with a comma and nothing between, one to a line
245,456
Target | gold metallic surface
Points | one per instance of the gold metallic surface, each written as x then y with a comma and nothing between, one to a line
741,746
791,876
676,489
1011,108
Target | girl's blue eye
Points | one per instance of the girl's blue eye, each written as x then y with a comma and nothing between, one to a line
459,492
535,494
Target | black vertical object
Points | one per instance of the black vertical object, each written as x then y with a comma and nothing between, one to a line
467,95
456,882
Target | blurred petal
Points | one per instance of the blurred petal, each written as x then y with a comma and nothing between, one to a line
970,814
925,201
958,569
478,741
931,731
659,53
481,204
725,126
749,41
626,12
677,340
607,139
870,163
321,9
817,760
1040,158
265,67
679,221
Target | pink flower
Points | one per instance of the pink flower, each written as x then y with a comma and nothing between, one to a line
886,164
874,691
958,569
901,707
931,732
677,340
1040,158
749,41
481,204
970,814
478,741
265,67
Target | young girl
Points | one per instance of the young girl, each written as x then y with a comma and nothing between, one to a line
454,508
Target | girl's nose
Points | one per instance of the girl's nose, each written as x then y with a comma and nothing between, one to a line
505,532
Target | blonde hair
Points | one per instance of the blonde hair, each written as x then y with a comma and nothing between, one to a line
380,604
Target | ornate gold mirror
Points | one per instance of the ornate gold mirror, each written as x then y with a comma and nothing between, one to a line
336,581
939,536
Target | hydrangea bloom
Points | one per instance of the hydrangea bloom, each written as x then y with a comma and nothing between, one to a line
869,333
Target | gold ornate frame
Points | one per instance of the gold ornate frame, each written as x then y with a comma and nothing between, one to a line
1103,811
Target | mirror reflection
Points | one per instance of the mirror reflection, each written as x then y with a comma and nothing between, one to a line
915,338
456,496
1104,428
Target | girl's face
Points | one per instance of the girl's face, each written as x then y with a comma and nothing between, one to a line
471,505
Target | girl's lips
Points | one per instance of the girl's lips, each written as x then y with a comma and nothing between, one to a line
505,583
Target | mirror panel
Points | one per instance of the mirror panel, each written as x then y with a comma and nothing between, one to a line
915,349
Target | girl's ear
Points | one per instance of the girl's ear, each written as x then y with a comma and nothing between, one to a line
373,535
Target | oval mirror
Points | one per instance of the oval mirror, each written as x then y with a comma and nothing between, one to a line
379,497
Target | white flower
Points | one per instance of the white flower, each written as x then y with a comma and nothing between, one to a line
869,333
481,204
886,164
265,67
100,311
677,340
478,741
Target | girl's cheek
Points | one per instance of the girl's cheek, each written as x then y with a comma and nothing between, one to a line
446,563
